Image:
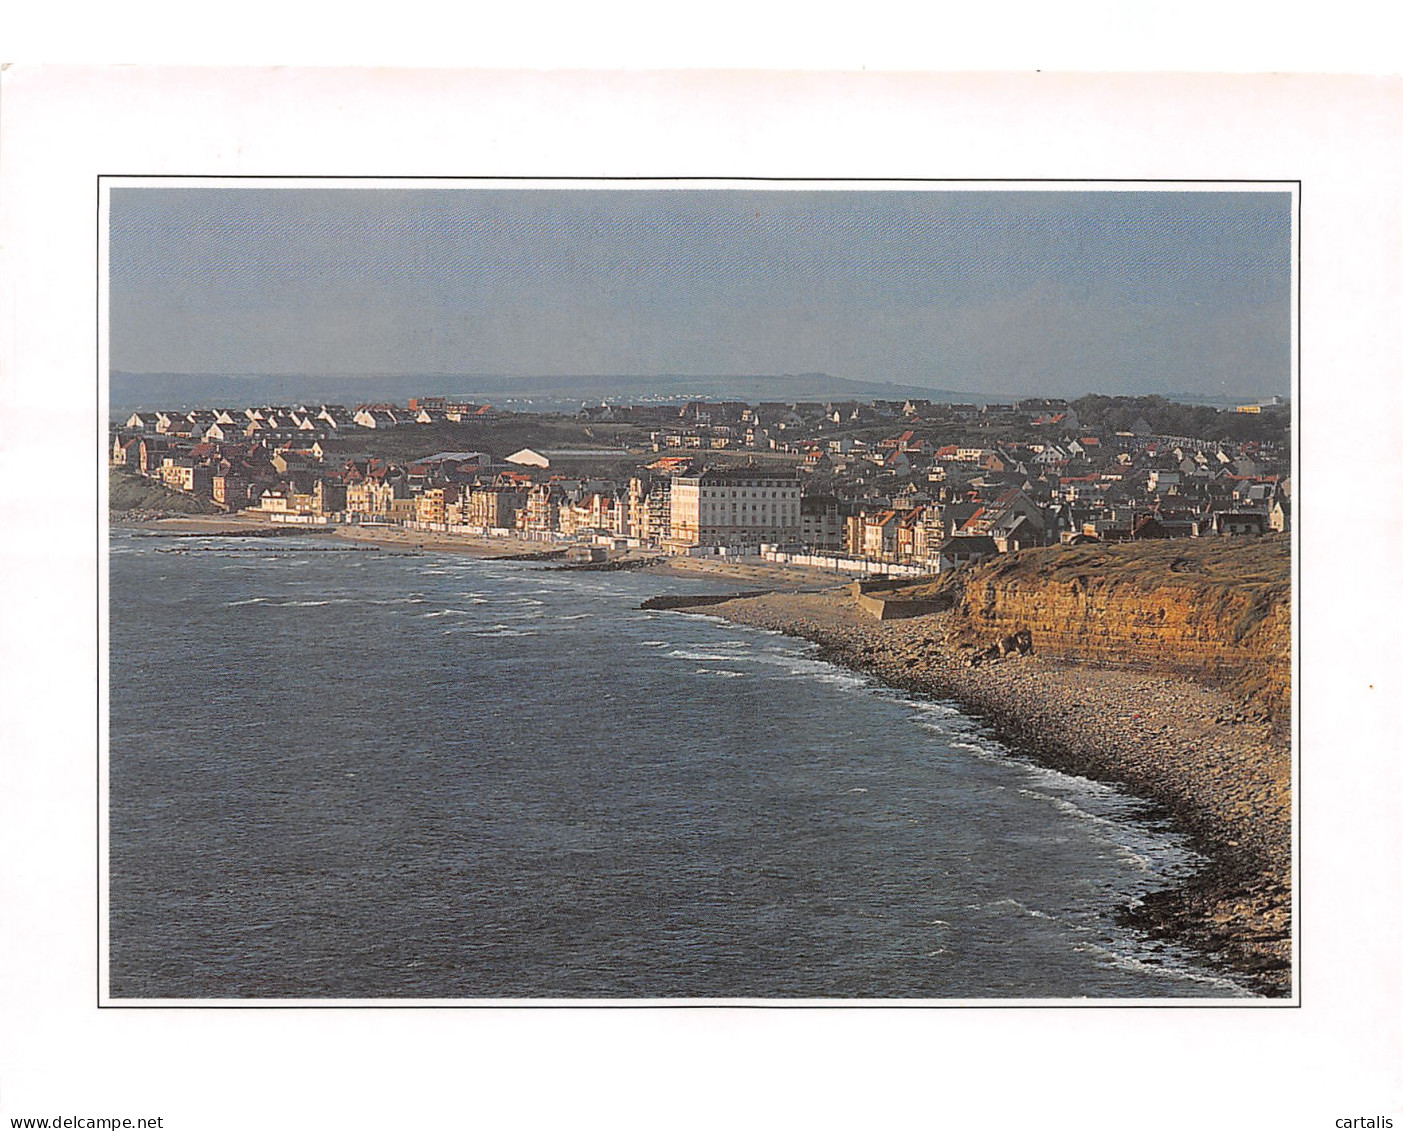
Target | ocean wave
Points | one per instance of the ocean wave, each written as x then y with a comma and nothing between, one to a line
1021,908
250,601
1115,829
839,679
1169,970
719,671
985,752
687,654
576,616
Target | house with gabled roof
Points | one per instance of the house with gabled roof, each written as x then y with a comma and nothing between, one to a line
965,550
152,452
1240,522
378,418
223,433
126,452
879,534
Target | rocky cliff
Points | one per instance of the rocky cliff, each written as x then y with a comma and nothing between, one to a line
1217,610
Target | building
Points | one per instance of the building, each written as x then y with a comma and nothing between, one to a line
495,507
968,550
529,457
230,490
736,507
432,505
821,522
541,512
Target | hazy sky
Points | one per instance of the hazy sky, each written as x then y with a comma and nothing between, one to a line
1052,291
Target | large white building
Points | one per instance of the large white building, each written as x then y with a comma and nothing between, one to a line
736,507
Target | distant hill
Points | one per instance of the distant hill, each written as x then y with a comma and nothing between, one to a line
131,391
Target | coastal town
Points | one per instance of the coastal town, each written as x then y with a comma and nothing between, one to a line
1106,580
900,488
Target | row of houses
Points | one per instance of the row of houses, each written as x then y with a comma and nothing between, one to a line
277,423
900,498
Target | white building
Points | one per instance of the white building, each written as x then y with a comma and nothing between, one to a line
737,507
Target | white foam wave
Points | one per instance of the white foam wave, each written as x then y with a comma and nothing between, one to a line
576,616
840,679
250,601
505,632
982,751
719,671
1021,908
1113,828
1169,971
686,654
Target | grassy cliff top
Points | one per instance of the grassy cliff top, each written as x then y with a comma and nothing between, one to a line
129,492
1260,566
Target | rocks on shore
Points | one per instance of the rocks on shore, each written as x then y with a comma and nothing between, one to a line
1216,766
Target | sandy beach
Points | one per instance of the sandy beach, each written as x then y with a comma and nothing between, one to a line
1222,776
747,573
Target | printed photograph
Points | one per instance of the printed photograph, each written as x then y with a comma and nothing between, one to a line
697,592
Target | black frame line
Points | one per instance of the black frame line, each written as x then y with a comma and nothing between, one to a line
1297,775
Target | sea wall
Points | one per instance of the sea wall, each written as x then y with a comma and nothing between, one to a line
878,599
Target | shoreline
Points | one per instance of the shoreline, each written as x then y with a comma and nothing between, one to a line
1222,775
751,571
1223,778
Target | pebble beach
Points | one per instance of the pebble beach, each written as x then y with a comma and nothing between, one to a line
1220,773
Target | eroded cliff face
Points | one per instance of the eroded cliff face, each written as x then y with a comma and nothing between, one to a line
1216,610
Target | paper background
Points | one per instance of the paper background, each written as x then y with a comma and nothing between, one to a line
1337,1056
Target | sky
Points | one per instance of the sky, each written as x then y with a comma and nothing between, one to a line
1034,292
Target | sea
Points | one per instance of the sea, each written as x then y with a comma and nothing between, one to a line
343,773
